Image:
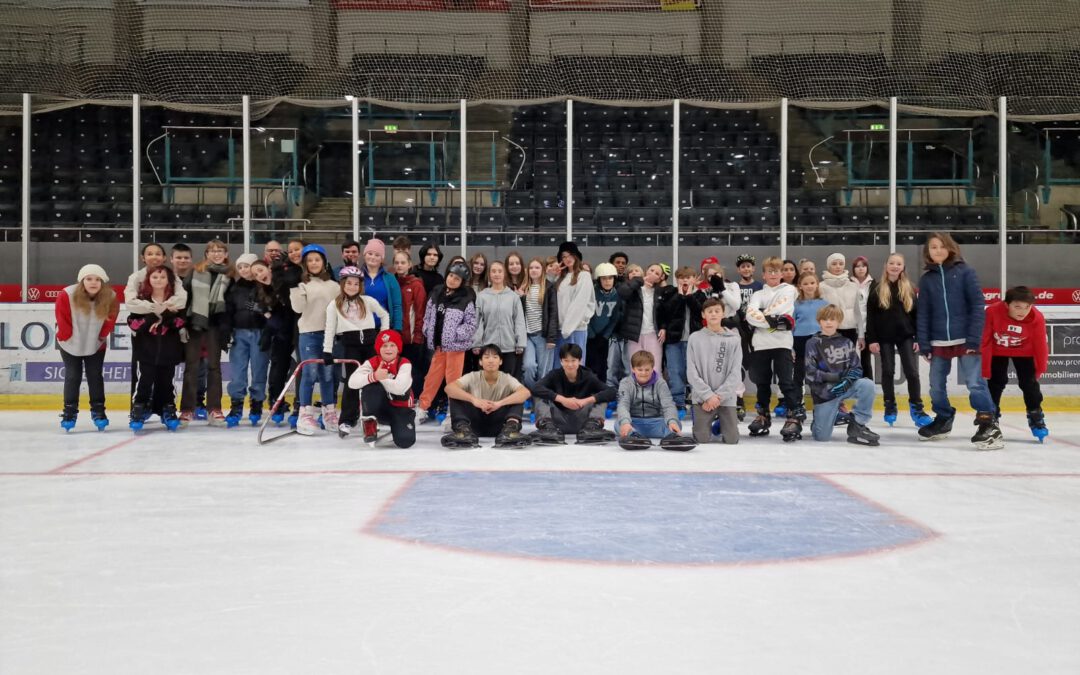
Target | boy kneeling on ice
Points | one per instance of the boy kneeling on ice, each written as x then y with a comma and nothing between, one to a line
834,374
571,400
385,384
486,402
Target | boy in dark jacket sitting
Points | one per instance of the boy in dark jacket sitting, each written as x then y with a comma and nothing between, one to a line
834,374
571,400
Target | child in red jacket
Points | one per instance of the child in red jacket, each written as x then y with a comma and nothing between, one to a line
1016,330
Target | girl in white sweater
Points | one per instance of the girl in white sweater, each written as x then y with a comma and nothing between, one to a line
309,299
576,300
838,288
350,319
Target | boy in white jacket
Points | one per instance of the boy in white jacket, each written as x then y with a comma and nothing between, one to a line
769,313
385,382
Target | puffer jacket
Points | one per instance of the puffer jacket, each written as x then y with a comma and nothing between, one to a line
458,319
841,291
951,307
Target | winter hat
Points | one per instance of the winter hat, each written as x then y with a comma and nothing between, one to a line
376,245
246,259
93,270
835,256
711,260
388,336
571,248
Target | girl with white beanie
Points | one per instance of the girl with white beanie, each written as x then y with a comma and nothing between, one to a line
85,315
838,288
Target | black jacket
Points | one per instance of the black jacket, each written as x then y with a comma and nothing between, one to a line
671,313
892,325
633,306
243,308
587,384
158,341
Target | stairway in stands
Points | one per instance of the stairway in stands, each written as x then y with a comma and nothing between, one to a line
331,213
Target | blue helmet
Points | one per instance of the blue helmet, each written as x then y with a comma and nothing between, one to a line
314,248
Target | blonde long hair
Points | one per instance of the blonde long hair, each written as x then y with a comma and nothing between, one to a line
103,304
542,283
905,289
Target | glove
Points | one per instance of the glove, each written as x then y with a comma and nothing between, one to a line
781,322
840,388
328,358
730,322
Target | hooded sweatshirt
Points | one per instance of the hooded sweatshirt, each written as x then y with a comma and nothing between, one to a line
649,400
828,357
841,291
500,320
1005,336
713,365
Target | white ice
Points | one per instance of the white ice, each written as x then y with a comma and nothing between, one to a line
202,552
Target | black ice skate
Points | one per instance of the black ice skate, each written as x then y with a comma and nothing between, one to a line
674,441
510,436
634,441
760,425
547,433
988,436
593,433
859,434
461,437
792,429
937,430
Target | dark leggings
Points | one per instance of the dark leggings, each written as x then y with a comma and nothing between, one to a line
909,362
281,362
484,424
361,351
155,385
1025,378
74,367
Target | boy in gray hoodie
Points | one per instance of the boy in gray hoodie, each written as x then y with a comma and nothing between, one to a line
714,361
646,408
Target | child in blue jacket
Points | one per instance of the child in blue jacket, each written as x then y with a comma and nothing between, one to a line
949,325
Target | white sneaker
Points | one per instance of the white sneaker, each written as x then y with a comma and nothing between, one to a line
421,416
308,423
330,418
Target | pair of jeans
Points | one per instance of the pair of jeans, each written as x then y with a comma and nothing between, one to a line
311,347
618,362
650,427
245,354
675,353
74,367
970,371
538,360
578,337
862,390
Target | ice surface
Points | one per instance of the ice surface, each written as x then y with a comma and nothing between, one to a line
202,552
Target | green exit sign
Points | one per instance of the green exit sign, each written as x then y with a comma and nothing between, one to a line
877,127
390,128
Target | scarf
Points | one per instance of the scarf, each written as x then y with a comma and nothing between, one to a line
835,280
207,295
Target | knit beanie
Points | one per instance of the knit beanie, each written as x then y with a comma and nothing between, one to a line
376,245
388,336
93,270
835,256
246,259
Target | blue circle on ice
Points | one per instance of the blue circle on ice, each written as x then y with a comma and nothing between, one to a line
643,518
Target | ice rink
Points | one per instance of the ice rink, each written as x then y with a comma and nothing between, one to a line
202,552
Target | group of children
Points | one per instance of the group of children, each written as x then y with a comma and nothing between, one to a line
580,344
